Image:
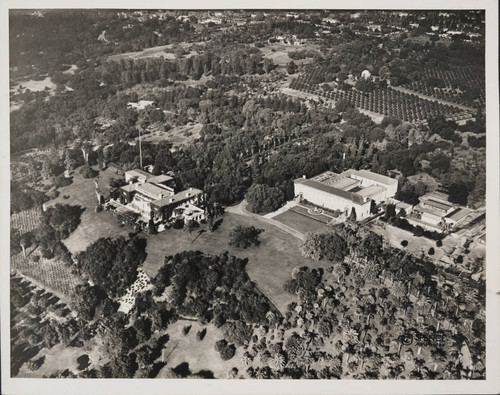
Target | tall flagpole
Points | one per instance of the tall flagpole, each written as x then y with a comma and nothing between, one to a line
140,148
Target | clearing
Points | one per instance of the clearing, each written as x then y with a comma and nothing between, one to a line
154,52
178,135
200,355
60,358
34,85
279,53
93,225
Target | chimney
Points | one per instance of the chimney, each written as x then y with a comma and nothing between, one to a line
188,194
191,188
304,177
130,182
171,200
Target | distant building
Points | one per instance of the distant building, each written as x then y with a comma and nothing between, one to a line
141,104
353,189
435,210
366,74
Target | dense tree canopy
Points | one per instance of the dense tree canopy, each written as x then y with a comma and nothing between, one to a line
112,263
263,199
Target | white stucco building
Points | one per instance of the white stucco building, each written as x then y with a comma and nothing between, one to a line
352,189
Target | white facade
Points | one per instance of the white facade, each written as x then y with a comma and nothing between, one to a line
332,202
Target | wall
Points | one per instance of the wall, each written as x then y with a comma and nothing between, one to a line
332,202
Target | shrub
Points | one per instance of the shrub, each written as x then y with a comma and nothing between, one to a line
439,243
431,251
87,172
404,243
244,236
35,364
263,199
220,345
186,329
201,334
228,352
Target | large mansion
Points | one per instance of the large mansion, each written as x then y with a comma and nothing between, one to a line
155,197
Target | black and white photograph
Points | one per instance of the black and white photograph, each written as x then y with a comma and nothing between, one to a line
251,195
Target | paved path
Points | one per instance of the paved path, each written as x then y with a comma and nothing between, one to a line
282,209
240,209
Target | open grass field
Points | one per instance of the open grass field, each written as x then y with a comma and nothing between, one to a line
153,52
60,358
200,355
298,218
279,52
35,86
93,225
178,135
269,264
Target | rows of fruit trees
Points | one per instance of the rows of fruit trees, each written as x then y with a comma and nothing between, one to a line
386,101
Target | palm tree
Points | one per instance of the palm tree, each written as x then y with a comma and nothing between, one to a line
351,336
246,359
279,361
398,290
310,337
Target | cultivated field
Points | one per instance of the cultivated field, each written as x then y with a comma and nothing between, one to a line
50,274
26,221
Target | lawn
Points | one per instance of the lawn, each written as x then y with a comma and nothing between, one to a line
279,52
200,355
269,264
93,225
60,358
153,52
302,222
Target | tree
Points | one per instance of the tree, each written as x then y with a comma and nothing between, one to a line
244,236
85,300
268,65
291,67
189,226
352,215
458,193
63,219
87,172
330,246
112,263
263,199
35,364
